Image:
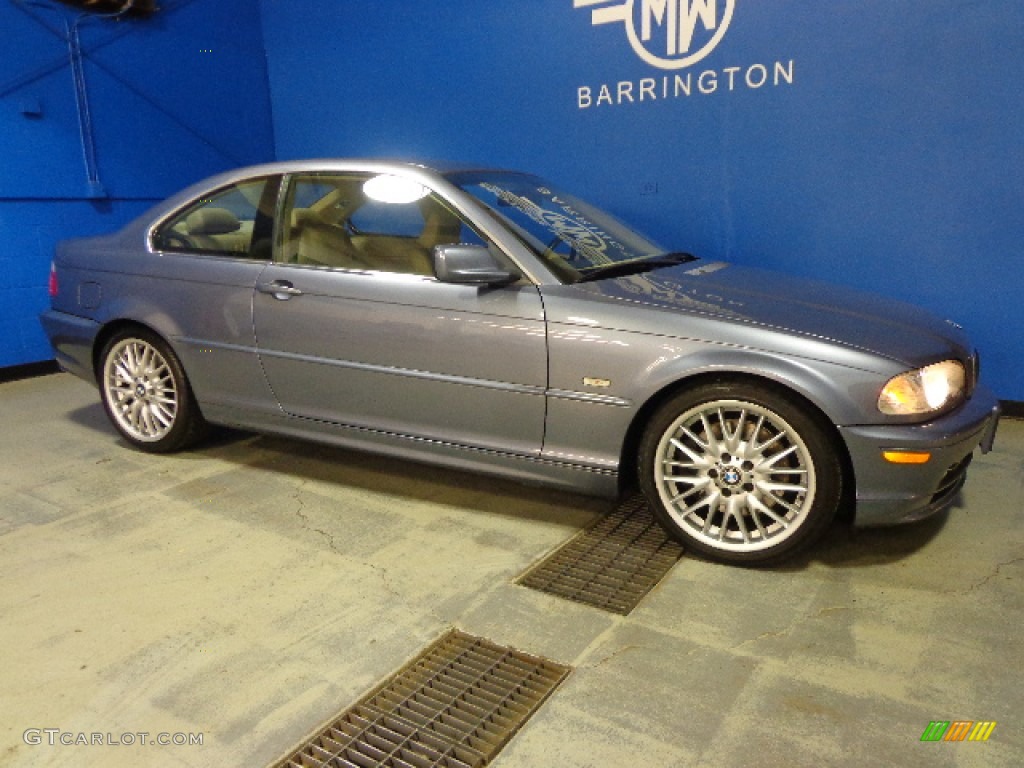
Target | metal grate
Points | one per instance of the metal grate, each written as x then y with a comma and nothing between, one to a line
612,564
454,706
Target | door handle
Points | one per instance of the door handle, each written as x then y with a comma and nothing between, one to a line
279,289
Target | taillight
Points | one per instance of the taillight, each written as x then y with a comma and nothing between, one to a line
53,280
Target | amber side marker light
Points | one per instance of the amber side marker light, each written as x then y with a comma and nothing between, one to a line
906,457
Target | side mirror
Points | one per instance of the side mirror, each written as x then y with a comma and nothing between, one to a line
470,265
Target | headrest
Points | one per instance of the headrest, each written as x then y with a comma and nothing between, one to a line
212,221
303,216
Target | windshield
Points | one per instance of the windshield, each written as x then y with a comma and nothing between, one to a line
574,238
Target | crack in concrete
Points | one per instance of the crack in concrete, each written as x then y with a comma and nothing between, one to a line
831,609
380,572
614,655
995,572
822,612
383,574
300,513
413,607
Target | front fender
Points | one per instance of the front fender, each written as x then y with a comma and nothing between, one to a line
845,394
602,380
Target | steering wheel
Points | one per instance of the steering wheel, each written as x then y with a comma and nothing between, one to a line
172,239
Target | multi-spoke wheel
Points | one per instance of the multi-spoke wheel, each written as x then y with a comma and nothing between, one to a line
739,472
146,394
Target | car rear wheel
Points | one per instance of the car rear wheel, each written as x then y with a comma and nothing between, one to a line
740,473
146,394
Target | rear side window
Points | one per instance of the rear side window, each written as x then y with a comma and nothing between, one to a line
235,221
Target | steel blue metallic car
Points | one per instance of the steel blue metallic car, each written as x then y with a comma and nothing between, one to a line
489,321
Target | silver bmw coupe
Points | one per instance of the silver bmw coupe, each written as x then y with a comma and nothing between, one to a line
488,320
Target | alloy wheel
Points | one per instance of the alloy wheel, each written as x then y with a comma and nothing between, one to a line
735,476
140,389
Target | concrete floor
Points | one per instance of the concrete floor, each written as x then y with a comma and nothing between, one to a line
250,590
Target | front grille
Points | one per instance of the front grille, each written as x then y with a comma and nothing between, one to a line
454,706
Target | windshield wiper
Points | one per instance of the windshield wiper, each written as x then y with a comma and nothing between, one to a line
634,266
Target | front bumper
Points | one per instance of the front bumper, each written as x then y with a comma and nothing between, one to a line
72,338
900,493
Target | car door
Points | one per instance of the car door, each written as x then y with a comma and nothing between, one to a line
353,328
198,288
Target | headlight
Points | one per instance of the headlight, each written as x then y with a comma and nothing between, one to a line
925,390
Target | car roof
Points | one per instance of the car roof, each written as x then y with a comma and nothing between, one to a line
441,167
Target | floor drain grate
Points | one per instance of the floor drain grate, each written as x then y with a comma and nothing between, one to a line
454,706
612,564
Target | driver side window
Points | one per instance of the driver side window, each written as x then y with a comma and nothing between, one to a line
344,221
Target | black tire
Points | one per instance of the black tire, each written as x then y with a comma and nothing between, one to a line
740,472
146,393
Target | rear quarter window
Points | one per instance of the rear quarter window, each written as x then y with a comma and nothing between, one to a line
234,221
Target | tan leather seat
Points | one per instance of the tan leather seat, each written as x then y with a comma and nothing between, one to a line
314,241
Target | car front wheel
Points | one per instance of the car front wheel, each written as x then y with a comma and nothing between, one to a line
740,473
146,394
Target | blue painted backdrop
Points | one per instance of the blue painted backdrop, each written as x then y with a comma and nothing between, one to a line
875,143
892,161
172,99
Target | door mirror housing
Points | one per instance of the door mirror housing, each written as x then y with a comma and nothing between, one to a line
470,265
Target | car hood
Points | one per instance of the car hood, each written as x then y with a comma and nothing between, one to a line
747,295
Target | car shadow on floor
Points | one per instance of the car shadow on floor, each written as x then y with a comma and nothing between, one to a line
93,417
414,481
404,479
845,546
842,546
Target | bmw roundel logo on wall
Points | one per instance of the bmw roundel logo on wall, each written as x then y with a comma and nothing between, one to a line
668,34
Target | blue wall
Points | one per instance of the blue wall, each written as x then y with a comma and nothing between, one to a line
883,150
172,98
891,162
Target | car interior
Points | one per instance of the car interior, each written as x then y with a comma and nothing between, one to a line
344,229
330,223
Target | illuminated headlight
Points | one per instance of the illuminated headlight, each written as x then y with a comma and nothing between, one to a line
926,390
